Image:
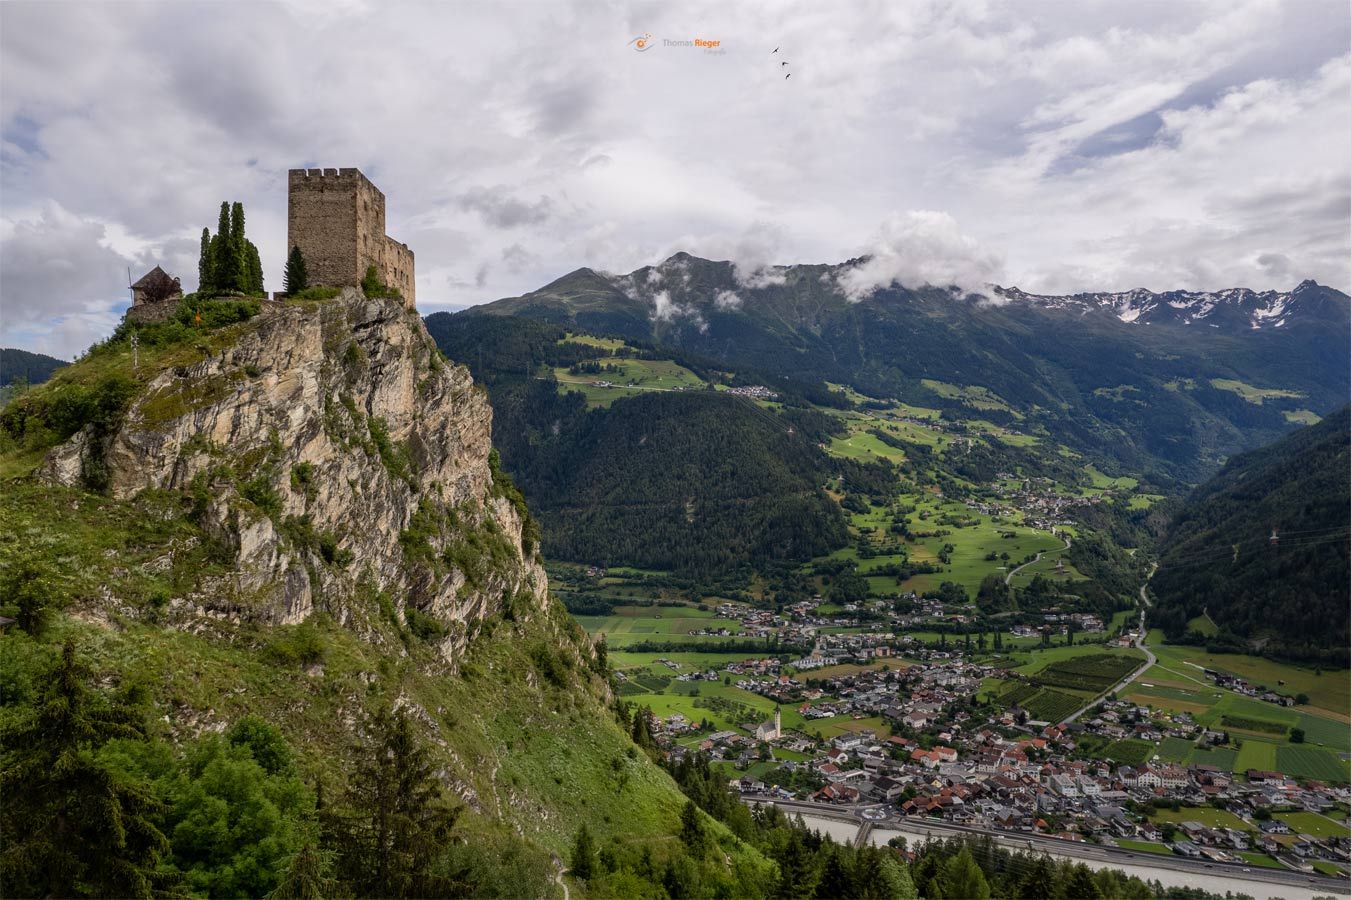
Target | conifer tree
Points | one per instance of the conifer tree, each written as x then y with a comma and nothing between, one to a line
295,278
71,825
1081,884
397,821
204,280
692,830
224,260
238,247
307,876
582,861
836,879
961,877
1038,880
255,269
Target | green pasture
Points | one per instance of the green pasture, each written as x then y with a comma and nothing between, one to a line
1255,395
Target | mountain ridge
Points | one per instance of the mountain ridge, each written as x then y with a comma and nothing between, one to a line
1170,397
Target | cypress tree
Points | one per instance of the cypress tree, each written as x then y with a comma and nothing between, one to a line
295,279
255,270
204,262
70,824
224,260
239,247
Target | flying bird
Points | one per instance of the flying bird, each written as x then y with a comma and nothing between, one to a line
775,50
784,63
788,76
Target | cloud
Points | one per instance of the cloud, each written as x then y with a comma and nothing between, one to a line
665,309
518,259
919,249
57,271
1096,146
500,209
727,300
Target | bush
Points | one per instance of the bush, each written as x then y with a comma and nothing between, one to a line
302,533
303,644
394,456
374,288
315,293
49,416
424,626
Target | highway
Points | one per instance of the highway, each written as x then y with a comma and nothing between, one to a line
1089,853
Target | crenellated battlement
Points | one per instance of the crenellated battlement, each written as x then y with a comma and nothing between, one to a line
337,219
328,177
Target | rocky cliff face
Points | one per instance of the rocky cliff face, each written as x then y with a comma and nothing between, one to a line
332,453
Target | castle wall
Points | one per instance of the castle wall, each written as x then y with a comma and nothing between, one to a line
337,219
322,221
397,265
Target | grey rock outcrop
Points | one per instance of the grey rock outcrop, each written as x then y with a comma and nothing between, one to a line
334,456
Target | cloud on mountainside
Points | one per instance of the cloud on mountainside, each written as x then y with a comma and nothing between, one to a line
921,248
1059,147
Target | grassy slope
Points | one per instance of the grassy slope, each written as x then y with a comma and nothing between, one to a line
520,724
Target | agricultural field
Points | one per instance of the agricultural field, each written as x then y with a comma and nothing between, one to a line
1260,732
1048,705
1311,762
863,446
1101,482
1207,816
1314,824
1255,754
1204,624
651,679
1130,752
1254,395
1175,749
642,622
972,537
974,396
1144,847
1092,673
634,376
1301,416
611,344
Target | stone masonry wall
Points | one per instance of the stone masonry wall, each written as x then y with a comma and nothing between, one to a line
337,219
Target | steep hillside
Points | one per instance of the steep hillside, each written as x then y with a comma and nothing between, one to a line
700,482
1170,383
292,512
1287,597
25,368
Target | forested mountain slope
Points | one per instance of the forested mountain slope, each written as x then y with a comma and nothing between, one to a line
34,368
700,482
1289,596
1164,383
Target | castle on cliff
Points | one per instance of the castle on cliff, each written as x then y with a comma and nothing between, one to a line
337,219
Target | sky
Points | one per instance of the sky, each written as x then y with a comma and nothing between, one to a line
1055,146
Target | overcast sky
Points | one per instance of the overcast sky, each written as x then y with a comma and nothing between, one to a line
1056,146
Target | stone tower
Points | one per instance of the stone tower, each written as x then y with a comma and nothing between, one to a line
337,219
